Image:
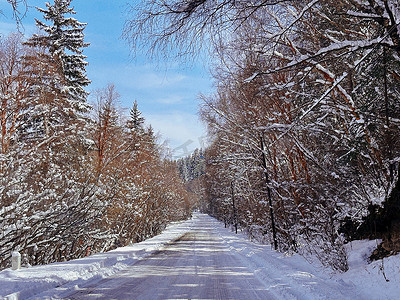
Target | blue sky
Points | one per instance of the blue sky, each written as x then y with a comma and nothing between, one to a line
167,93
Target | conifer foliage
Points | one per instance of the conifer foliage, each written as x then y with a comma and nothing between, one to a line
64,39
136,120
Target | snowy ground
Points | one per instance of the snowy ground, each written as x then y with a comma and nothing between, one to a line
200,259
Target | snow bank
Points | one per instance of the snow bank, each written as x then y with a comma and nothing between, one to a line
379,279
373,281
289,277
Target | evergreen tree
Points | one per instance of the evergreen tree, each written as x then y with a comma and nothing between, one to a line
136,120
58,98
192,166
64,39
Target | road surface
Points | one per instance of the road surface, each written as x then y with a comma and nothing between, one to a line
198,265
207,261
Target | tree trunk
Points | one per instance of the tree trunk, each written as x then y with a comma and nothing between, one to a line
271,209
235,219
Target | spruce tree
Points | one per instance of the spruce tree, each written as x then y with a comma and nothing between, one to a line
58,65
64,39
136,120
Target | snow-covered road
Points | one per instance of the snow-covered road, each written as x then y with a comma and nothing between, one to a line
198,265
209,263
199,259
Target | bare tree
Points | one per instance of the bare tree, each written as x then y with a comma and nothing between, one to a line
19,10
183,27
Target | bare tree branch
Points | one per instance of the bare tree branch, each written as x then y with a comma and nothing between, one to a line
19,9
186,27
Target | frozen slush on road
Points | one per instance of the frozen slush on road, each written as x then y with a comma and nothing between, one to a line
200,259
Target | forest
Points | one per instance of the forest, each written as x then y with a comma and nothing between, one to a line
76,178
304,127
304,122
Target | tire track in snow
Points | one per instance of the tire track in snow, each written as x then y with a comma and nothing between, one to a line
195,266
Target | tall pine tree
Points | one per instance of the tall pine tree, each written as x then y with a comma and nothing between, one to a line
64,39
136,120
59,67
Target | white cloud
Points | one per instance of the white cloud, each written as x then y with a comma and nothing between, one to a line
170,99
136,77
142,78
9,27
6,28
183,131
